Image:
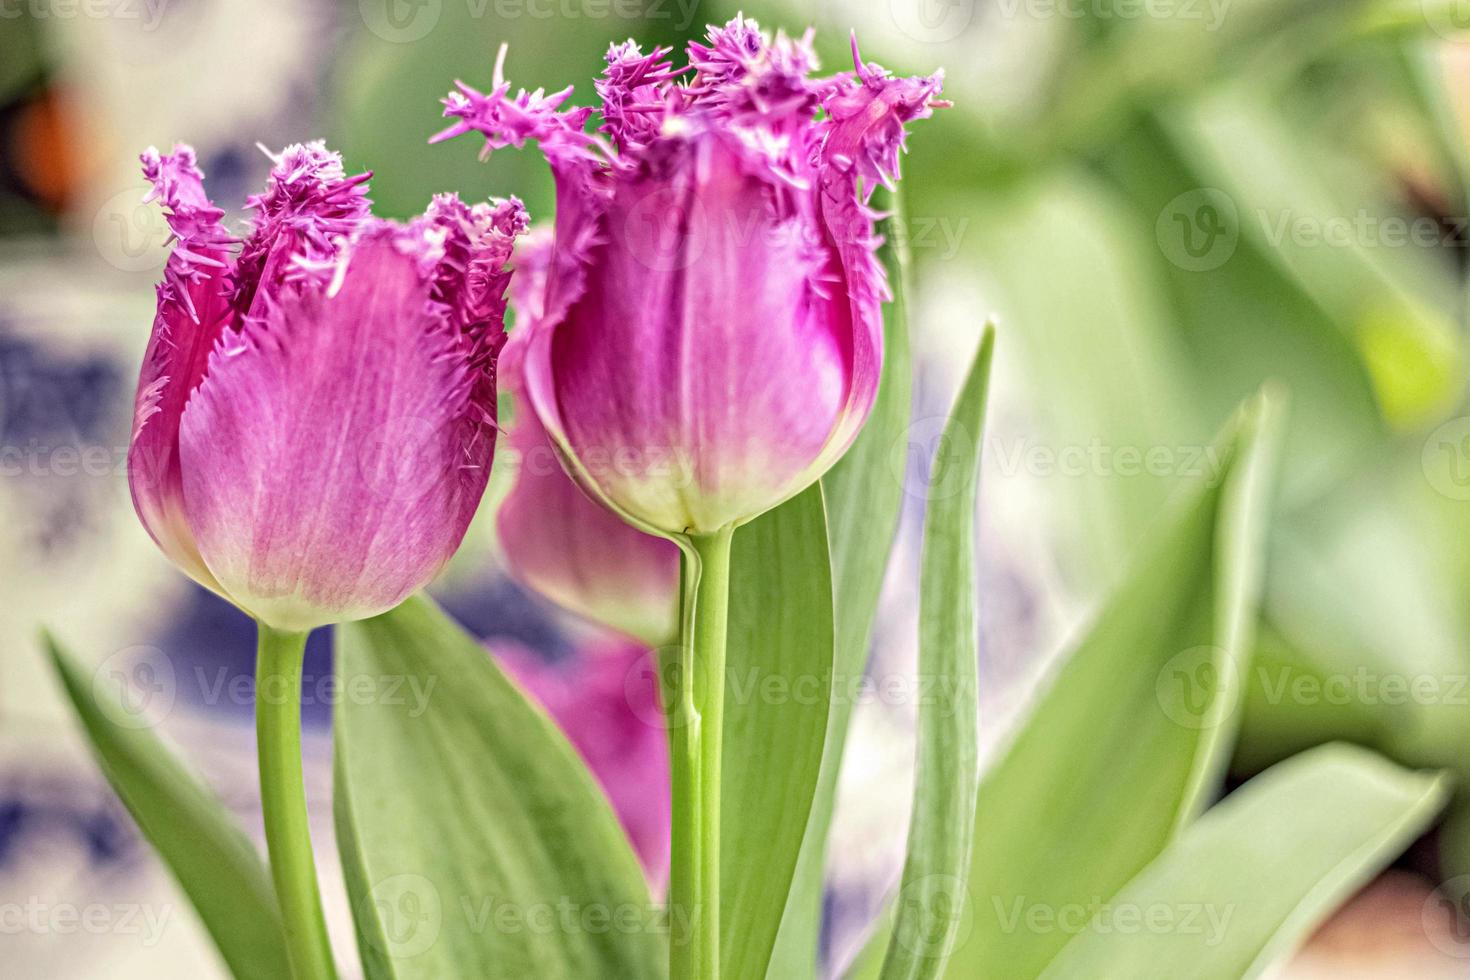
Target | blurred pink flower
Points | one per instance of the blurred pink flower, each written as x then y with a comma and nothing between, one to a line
315,417
711,336
606,701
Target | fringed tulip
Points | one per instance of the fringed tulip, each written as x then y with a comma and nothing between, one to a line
315,418
558,541
712,333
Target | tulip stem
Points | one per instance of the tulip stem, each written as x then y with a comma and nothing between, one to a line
696,707
278,664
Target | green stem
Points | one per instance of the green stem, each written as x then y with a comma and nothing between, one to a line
696,706
278,663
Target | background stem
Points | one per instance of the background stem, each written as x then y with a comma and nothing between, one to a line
278,664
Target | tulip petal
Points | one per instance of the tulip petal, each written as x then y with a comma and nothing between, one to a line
337,450
704,367
193,311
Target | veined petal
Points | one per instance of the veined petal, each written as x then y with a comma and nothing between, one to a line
335,454
698,374
310,209
193,310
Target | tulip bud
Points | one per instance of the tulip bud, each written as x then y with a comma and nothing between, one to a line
315,417
712,335
557,540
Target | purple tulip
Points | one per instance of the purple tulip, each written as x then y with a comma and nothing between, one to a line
712,334
557,540
315,418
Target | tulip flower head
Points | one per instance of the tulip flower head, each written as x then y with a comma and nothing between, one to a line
711,336
315,417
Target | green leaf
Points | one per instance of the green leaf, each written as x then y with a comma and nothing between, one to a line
1130,738
476,843
209,855
947,768
1257,873
863,494
777,696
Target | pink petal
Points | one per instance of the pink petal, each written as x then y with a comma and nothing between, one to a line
335,454
700,374
193,311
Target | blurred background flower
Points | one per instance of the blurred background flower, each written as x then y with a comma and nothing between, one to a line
1166,203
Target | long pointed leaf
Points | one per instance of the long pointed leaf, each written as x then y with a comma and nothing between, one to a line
1256,874
1126,744
947,770
209,855
778,692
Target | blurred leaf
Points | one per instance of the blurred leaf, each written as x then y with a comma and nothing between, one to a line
1243,318
1117,380
946,771
211,858
778,689
863,495
1128,741
1261,870
1339,231
476,842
